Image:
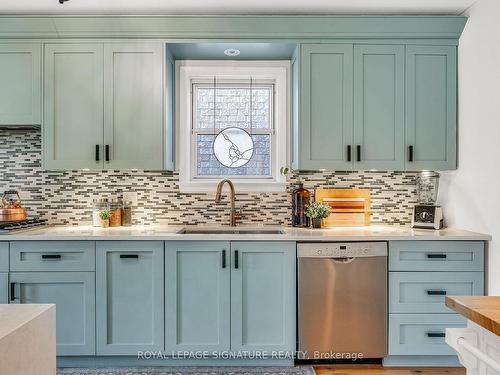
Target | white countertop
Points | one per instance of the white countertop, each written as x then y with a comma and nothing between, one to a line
169,233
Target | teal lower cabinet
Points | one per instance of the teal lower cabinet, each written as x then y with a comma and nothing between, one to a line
421,275
129,297
263,296
421,334
237,296
74,296
4,257
197,289
424,292
4,287
4,269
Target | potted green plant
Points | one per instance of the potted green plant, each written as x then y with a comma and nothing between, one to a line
317,212
104,216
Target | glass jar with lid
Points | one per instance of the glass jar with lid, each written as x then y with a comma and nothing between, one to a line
115,209
427,187
127,213
98,204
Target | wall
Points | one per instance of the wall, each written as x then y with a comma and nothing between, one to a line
470,195
66,197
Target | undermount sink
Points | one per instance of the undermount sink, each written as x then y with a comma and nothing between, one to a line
230,231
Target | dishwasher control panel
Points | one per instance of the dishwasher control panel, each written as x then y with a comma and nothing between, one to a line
341,249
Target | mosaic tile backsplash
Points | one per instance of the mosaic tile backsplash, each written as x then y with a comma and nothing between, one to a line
66,197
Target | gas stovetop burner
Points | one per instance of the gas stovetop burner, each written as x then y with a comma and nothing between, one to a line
18,226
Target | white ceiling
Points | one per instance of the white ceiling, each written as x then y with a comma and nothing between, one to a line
235,6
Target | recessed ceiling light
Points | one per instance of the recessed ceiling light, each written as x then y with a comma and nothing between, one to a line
232,52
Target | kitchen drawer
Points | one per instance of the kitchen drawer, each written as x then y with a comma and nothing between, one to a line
4,256
424,292
52,256
421,334
4,289
436,256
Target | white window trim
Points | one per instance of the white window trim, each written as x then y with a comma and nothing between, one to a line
191,70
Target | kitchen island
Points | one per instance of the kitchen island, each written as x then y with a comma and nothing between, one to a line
27,339
478,345
160,295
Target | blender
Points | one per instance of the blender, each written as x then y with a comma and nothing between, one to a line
425,213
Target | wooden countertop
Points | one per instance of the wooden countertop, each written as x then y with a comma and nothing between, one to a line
482,310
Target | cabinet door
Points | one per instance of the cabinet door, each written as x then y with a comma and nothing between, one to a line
74,296
263,296
133,105
197,292
431,99
326,106
20,77
73,106
379,107
129,278
4,291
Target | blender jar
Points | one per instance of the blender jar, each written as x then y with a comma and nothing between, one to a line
427,187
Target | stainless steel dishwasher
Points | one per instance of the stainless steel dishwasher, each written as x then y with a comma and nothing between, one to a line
342,300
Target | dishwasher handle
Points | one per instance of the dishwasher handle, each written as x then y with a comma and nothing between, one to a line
343,260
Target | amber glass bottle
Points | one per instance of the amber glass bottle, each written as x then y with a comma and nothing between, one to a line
300,200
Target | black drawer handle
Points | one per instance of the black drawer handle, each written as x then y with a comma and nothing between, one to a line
106,151
224,258
349,153
436,334
358,153
52,256
436,256
97,153
12,291
129,256
236,260
436,292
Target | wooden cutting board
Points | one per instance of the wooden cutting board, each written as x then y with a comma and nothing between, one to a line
350,207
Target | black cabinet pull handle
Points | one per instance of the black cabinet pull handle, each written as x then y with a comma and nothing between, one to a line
224,258
129,256
236,260
349,153
52,256
436,334
410,153
106,151
358,153
97,153
436,292
12,291
436,256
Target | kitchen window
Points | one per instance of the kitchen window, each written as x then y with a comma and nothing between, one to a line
246,99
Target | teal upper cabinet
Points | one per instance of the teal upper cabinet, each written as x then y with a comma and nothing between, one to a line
325,120
20,88
104,106
263,296
73,101
431,118
73,293
129,297
133,96
197,308
354,107
379,107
